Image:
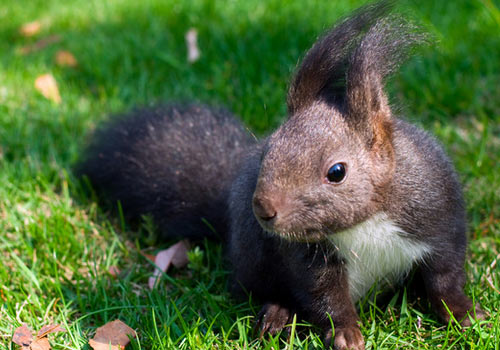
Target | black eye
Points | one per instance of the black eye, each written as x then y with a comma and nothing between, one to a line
336,173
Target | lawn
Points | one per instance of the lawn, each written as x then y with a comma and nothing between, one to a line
57,243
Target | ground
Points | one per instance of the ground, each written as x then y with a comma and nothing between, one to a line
57,244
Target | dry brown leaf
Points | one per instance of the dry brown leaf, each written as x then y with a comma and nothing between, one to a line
112,336
47,86
30,29
65,59
40,44
175,255
192,45
40,344
101,346
22,336
51,328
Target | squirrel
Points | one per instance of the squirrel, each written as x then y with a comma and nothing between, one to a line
342,196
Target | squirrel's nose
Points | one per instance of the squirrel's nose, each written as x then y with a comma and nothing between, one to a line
264,209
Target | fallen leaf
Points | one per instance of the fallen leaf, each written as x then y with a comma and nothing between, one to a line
40,44
175,255
22,336
192,45
40,344
51,328
112,336
30,29
65,59
47,86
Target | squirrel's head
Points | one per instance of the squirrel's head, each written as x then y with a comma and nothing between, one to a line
328,167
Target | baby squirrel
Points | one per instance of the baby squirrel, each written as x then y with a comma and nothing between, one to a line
341,196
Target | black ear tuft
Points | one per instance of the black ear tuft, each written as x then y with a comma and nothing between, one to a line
381,51
325,63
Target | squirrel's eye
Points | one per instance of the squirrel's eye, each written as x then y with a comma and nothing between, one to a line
336,173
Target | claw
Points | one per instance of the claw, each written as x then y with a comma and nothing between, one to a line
272,319
349,338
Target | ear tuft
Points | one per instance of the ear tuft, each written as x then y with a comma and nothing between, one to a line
325,64
348,65
381,51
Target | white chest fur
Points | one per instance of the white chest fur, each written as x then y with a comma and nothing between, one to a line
376,250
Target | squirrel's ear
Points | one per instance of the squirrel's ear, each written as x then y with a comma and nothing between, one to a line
379,53
384,47
369,114
324,66
367,106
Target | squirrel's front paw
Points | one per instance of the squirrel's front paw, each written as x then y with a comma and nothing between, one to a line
349,338
272,318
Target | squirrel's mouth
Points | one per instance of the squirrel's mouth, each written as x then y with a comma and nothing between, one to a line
305,235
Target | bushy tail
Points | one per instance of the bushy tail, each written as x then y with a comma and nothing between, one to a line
175,163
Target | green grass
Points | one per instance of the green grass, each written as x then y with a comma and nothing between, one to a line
56,244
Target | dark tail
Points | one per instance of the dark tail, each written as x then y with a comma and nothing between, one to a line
174,163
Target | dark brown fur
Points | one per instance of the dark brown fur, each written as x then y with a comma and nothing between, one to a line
142,161
272,200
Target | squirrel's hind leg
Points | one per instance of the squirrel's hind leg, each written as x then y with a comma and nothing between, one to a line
444,281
